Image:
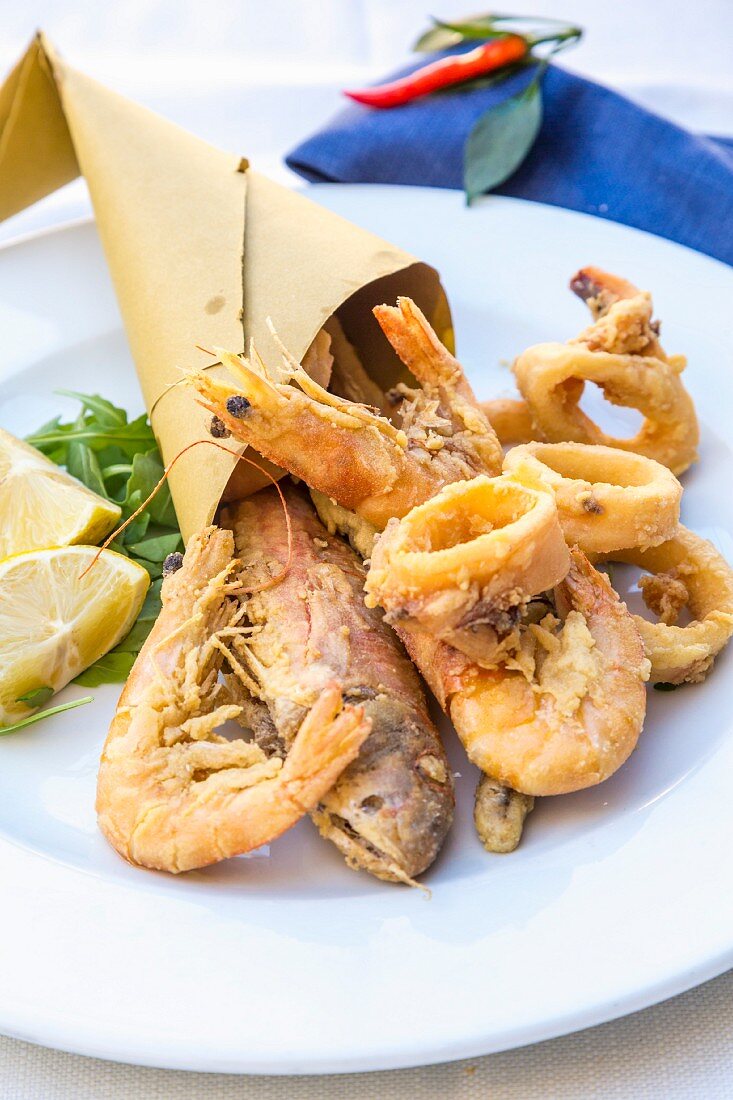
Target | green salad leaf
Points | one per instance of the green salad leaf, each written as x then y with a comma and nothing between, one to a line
4,730
113,668
118,459
37,697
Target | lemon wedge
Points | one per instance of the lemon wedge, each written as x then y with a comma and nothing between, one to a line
41,505
53,624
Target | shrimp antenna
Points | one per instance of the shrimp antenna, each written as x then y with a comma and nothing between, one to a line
151,496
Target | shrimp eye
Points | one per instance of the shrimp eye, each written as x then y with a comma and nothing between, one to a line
237,405
218,428
372,803
172,563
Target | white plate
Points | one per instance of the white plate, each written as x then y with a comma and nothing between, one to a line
287,962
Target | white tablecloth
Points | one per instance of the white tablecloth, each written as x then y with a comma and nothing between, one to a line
255,77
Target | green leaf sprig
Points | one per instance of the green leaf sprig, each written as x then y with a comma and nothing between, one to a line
503,136
4,730
119,460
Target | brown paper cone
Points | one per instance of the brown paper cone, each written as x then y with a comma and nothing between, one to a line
201,250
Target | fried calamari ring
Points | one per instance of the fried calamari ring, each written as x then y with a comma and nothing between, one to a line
689,572
462,565
551,378
606,499
511,420
620,351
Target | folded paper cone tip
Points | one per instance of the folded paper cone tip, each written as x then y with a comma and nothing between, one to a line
201,250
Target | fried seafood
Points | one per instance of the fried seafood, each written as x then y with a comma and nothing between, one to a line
621,353
552,377
622,316
511,420
318,360
606,499
687,572
347,451
348,377
463,565
565,708
172,794
390,810
499,814
569,726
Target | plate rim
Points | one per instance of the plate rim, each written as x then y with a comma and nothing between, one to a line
210,1061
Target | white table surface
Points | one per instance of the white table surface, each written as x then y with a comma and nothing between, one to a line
256,76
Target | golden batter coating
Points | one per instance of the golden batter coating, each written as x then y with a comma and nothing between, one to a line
499,814
172,794
392,807
684,654
621,353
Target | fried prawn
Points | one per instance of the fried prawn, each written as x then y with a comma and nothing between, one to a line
172,794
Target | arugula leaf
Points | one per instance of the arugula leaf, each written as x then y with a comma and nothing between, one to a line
118,469
4,730
501,139
147,470
113,668
119,459
37,697
107,414
53,425
137,528
154,568
157,549
83,464
129,437
151,608
133,643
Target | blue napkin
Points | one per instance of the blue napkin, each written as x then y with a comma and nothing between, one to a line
597,152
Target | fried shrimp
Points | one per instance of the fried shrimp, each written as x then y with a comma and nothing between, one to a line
511,420
581,718
174,795
348,377
606,499
566,708
687,571
620,352
463,565
347,451
390,810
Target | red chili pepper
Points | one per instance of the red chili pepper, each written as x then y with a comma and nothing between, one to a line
445,73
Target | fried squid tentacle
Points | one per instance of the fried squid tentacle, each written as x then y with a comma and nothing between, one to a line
391,809
499,814
621,352
173,794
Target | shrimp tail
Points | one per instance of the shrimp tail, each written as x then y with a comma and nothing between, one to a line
417,345
172,794
329,738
